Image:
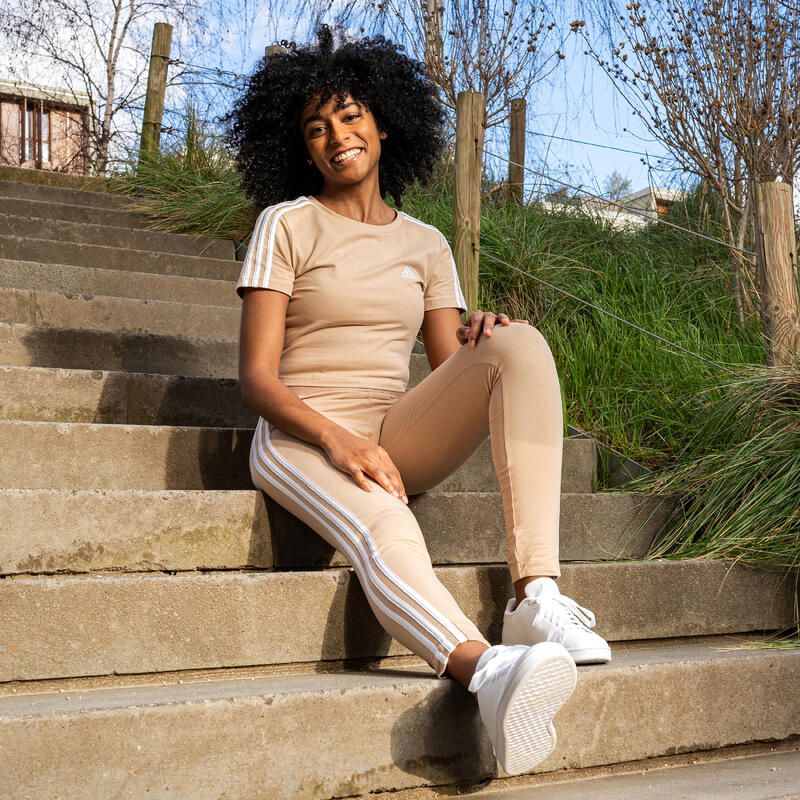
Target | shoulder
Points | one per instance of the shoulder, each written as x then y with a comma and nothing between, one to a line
426,231
282,215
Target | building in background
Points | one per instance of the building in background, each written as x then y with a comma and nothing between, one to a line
651,202
44,127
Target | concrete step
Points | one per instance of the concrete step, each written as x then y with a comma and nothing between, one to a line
49,394
86,349
74,348
75,455
52,251
62,208
252,734
122,314
72,626
71,279
83,530
64,223
57,194
766,776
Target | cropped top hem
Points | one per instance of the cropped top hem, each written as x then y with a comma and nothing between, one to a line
389,387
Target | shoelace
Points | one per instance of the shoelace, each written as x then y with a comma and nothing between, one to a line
553,609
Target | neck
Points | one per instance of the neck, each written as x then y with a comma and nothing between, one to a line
361,202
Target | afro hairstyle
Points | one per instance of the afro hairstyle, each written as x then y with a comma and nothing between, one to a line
264,123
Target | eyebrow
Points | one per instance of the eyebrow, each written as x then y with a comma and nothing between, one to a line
318,117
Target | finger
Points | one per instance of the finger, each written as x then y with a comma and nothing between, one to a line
503,318
489,320
389,478
360,479
475,328
393,485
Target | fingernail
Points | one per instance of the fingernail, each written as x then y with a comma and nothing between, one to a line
395,493
487,331
405,499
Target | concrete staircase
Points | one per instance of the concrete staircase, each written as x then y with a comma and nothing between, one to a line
168,633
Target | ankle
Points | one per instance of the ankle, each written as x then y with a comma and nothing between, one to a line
463,660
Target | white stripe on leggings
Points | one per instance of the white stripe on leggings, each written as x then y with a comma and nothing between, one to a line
364,558
356,558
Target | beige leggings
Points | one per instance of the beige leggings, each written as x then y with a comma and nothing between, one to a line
506,387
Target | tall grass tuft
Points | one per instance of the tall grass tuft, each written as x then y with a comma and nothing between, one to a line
738,472
191,186
737,477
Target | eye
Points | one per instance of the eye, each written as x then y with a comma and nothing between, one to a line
352,116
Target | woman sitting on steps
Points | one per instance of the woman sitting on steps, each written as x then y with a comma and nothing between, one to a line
335,286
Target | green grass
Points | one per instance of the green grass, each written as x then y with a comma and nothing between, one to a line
191,186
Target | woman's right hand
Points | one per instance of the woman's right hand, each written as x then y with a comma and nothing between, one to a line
364,459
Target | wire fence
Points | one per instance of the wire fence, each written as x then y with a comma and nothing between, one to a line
493,257
647,215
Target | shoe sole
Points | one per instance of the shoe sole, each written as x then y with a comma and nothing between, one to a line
542,683
597,655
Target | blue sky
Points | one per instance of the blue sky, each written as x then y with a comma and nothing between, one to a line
576,101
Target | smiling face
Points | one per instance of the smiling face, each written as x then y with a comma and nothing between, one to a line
343,141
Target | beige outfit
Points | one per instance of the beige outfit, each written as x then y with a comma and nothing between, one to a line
358,294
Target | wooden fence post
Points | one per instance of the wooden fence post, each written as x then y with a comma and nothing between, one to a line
156,86
470,125
776,252
516,149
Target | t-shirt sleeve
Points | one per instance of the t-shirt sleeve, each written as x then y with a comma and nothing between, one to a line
443,289
268,262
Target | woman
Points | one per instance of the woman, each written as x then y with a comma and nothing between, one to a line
335,286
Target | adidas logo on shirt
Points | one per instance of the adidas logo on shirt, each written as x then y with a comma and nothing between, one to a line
408,273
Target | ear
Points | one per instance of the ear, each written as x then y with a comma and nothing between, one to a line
381,134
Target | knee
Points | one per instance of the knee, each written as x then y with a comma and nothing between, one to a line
517,340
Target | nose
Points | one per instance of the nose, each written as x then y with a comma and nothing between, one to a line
338,134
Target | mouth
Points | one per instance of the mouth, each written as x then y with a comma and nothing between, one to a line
346,156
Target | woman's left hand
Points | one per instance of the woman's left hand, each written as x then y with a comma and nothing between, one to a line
482,322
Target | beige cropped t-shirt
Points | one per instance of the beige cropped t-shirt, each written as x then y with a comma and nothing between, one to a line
358,291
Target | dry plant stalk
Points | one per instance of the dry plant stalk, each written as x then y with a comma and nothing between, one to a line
475,45
716,83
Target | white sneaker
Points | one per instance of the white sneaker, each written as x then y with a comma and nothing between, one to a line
519,691
546,615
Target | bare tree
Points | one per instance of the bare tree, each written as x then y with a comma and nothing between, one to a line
616,185
496,48
716,82
98,47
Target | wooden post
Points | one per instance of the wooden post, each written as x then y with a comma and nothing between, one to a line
156,86
775,247
516,150
470,125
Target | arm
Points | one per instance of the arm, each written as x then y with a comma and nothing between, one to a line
260,348
439,327
444,333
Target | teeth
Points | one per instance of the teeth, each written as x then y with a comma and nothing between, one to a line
346,156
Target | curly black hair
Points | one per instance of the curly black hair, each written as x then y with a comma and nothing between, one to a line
264,124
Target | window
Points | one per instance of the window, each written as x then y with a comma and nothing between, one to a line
29,133
35,147
46,136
